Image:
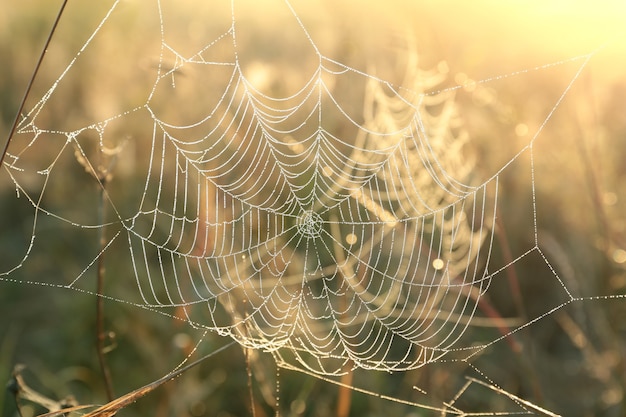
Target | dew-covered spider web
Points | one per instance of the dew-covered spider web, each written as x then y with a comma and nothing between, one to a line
256,172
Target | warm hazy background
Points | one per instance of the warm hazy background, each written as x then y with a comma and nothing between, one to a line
572,362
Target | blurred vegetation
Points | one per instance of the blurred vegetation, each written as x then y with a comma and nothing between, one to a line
571,362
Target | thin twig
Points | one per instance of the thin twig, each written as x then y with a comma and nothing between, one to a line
100,332
246,352
518,301
344,400
344,397
511,274
31,81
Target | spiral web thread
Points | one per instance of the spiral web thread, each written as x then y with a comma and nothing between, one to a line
287,219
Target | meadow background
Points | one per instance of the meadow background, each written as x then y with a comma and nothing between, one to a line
572,362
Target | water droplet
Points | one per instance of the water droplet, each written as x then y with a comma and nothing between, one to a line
438,264
521,129
619,256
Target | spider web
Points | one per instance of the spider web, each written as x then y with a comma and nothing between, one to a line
327,210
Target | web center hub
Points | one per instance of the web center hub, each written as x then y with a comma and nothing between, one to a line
310,224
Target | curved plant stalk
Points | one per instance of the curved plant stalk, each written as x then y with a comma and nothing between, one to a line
112,407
